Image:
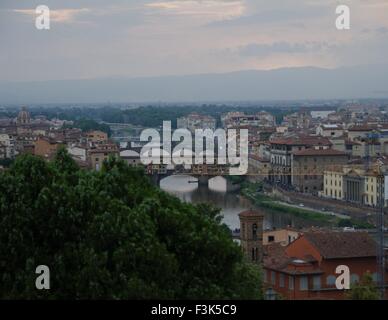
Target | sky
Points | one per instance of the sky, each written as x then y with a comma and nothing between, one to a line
92,39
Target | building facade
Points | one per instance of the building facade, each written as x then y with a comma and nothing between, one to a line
353,184
306,268
282,149
308,166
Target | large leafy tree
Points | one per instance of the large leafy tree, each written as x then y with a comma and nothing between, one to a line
111,235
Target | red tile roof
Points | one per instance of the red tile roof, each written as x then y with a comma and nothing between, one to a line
303,141
257,158
276,258
251,213
333,245
362,128
319,152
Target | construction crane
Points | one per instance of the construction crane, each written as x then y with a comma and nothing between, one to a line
380,233
372,138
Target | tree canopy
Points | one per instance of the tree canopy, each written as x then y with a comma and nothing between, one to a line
364,290
88,125
112,235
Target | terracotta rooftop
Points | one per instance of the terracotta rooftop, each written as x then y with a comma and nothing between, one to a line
251,213
257,158
275,258
333,245
319,152
303,141
362,128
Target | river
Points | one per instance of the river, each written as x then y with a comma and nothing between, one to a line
230,203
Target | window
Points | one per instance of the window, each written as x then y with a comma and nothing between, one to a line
317,282
303,283
265,275
330,280
375,277
291,283
281,280
273,277
271,238
354,278
254,231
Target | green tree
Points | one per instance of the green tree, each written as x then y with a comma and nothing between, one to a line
112,235
364,290
89,124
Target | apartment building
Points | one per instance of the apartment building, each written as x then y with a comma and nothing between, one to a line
308,166
354,184
282,149
306,268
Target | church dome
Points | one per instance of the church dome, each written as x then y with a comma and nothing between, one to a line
24,116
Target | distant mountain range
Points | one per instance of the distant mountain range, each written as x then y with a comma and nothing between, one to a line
280,84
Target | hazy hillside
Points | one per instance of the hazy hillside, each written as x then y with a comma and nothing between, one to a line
290,83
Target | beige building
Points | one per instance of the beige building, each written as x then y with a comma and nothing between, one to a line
332,183
371,188
97,136
282,236
131,157
330,130
258,168
308,166
46,147
97,156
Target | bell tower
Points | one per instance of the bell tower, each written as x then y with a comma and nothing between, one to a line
251,235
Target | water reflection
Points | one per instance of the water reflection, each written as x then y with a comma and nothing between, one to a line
231,204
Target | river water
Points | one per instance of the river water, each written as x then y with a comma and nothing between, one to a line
230,203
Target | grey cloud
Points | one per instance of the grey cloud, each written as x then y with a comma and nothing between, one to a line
280,15
262,50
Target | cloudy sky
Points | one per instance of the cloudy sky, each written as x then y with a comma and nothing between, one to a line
131,38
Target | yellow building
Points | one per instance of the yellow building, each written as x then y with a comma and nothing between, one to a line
353,184
371,189
333,183
97,136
